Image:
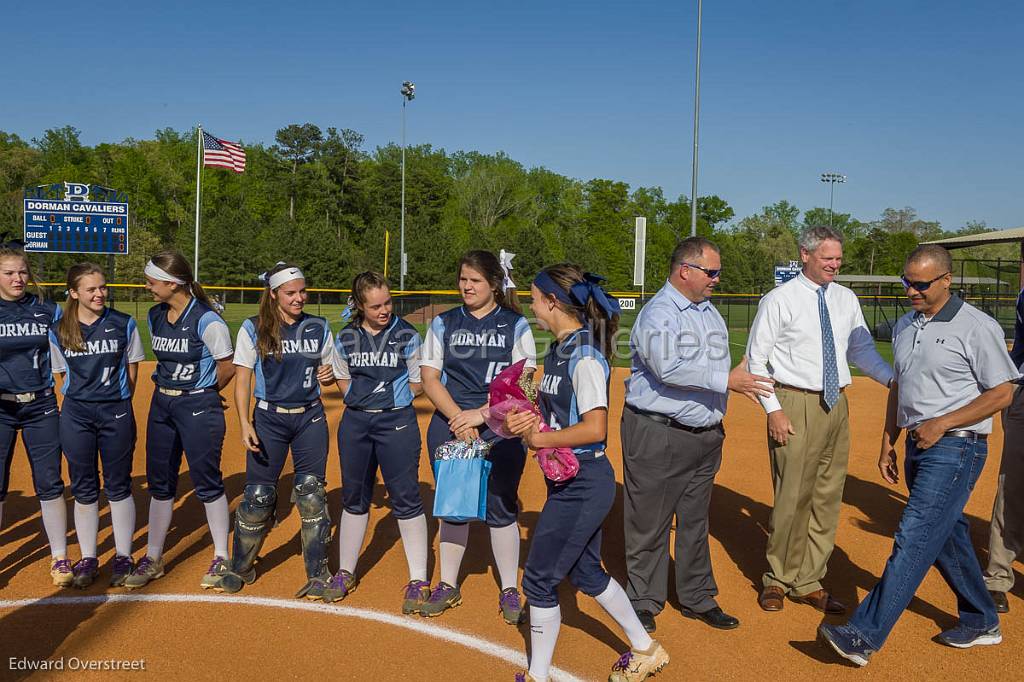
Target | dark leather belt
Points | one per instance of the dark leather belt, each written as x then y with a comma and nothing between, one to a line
959,433
668,421
804,390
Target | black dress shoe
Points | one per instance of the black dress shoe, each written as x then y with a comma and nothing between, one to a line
716,618
1002,606
647,620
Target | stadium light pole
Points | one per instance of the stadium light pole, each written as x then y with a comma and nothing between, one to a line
696,118
832,179
408,95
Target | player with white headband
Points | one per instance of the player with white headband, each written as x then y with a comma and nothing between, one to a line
289,352
193,350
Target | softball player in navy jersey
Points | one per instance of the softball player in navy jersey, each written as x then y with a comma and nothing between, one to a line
464,349
288,352
192,345
97,350
377,365
573,400
27,402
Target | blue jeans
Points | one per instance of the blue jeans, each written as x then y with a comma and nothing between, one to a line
933,531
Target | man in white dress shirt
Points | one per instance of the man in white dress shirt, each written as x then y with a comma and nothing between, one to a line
803,335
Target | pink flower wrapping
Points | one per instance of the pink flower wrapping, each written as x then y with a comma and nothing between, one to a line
513,389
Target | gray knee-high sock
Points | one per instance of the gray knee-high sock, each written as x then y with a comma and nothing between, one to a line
122,518
454,538
87,525
55,523
159,522
416,545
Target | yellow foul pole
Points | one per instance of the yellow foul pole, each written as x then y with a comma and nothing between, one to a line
387,243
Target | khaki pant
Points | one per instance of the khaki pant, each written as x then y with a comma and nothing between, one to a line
808,474
1006,538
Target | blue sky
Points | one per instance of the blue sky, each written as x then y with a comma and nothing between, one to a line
918,103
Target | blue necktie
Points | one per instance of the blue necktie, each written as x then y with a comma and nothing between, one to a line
830,372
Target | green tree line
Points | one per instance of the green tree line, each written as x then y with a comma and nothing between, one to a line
320,199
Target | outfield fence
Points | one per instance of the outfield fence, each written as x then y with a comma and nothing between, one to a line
881,311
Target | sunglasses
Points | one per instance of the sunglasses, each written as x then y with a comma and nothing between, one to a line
920,287
710,273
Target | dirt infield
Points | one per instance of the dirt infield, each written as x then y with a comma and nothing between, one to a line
178,630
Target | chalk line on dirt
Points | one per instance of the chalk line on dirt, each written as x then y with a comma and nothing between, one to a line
419,626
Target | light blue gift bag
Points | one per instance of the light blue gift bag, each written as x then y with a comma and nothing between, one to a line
461,489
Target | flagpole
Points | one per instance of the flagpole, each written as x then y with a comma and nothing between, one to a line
199,176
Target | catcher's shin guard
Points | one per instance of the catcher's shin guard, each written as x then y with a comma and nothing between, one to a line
311,500
253,520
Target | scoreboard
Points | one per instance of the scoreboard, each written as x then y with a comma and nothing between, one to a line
76,225
87,227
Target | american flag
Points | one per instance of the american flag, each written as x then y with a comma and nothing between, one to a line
222,154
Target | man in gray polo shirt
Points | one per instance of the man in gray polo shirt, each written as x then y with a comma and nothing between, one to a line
952,374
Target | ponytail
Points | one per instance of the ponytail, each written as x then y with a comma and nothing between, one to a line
597,312
174,263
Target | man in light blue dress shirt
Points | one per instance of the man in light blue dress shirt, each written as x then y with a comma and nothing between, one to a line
672,435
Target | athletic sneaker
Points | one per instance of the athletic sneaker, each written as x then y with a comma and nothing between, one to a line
85,572
443,597
122,568
417,592
211,578
524,677
148,569
634,666
846,642
510,605
61,572
339,586
963,637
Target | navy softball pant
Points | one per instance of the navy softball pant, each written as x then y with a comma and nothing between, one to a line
193,423
305,433
38,422
389,440
94,432
567,539
508,459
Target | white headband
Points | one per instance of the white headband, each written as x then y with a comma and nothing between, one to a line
155,272
506,266
286,275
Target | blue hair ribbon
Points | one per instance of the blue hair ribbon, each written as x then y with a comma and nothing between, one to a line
580,293
590,288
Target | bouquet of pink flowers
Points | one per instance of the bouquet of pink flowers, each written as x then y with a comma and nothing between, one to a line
514,390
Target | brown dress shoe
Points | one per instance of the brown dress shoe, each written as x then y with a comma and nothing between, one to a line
821,600
772,598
